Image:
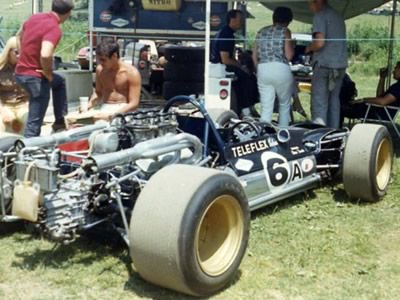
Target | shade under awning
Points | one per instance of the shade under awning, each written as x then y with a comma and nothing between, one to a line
348,8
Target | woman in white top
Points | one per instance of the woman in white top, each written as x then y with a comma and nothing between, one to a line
272,52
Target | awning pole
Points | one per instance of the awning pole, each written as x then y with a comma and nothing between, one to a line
91,9
391,44
207,50
35,6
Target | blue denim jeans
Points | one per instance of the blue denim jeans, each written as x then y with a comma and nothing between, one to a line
325,102
39,96
59,93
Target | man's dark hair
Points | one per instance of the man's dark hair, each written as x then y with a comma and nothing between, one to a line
232,14
282,15
108,48
62,7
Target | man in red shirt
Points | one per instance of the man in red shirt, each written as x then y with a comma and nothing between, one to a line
39,36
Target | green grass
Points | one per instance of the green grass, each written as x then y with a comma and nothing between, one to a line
74,30
316,245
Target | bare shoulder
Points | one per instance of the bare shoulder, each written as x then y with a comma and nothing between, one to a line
130,70
99,69
100,77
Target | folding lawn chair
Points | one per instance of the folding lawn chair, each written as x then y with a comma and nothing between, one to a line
382,114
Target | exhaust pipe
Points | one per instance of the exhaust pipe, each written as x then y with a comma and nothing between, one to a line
60,137
148,149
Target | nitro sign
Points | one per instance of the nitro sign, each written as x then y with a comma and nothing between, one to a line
160,2
166,5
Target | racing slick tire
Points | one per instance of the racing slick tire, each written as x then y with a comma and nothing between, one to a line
7,140
184,71
182,54
368,159
189,229
222,116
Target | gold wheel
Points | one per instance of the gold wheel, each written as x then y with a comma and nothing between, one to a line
367,163
189,229
219,235
383,164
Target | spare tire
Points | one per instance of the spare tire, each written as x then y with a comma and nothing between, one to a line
184,72
181,54
161,49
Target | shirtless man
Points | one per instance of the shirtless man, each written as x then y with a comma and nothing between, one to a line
118,84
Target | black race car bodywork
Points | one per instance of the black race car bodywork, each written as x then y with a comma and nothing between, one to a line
187,180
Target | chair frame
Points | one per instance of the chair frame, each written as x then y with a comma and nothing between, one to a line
387,109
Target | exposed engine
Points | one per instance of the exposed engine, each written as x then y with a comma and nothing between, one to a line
64,212
132,128
102,188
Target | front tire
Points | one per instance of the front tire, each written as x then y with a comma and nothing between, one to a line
367,165
189,229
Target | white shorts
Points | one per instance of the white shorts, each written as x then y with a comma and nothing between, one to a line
111,107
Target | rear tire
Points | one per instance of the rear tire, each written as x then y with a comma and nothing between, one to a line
367,164
187,72
181,54
7,140
189,229
222,116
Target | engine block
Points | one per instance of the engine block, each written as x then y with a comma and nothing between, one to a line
145,125
63,212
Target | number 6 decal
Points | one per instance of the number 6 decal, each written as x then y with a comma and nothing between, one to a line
276,168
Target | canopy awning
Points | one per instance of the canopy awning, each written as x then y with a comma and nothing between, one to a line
348,8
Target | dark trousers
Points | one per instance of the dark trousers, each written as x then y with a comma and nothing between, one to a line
245,87
59,93
39,97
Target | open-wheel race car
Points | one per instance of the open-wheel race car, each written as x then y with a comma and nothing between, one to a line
178,184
